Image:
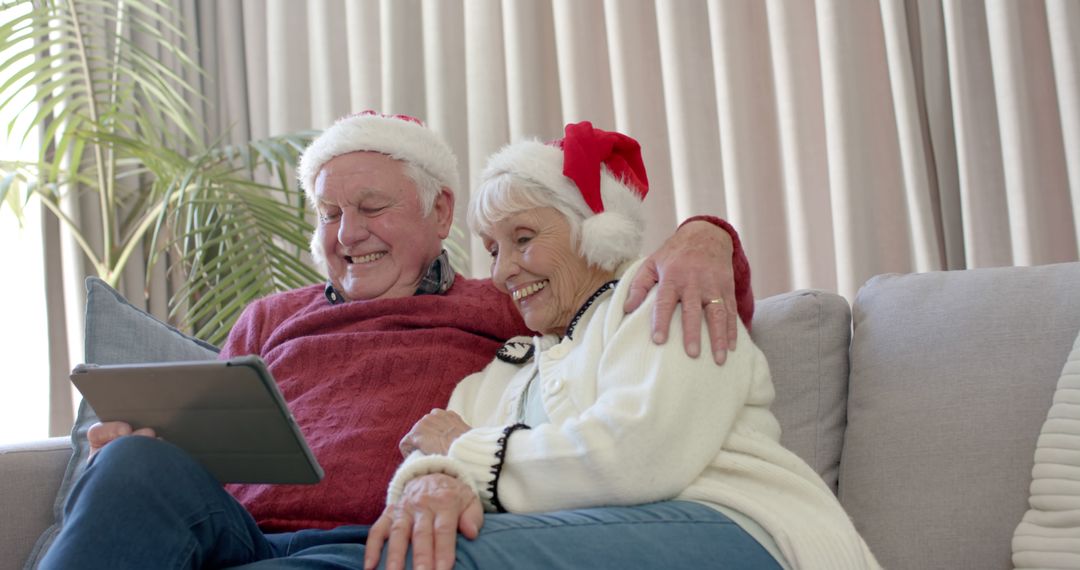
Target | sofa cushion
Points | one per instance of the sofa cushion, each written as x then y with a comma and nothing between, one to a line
1049,535
116,333
951,378
805,337
31,474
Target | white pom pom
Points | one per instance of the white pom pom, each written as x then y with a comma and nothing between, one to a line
610,238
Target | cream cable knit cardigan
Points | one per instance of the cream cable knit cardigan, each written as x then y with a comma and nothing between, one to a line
633,422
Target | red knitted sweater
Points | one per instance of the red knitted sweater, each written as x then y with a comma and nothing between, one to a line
357,376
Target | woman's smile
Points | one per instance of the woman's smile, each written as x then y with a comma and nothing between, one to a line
527,292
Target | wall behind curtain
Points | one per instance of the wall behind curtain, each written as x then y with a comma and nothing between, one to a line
843,138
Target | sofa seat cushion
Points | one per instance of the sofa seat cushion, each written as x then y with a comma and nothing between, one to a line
31,474
952,375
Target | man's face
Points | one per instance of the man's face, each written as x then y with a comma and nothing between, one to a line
371,227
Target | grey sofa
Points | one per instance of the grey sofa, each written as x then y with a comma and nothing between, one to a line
920,405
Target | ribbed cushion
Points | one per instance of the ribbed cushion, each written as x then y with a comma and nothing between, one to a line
1049,535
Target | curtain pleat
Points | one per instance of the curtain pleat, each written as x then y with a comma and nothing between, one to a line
329,48
584,69
1040,222
638,102
222,55
978,147
698,184
749,135
807,203
364,55
927,39
870,214
918,191
534,102
254,32
403,57
1063,17
486,101
289,79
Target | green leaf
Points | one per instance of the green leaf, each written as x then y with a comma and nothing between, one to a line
44,111
40,66
43,47
6,184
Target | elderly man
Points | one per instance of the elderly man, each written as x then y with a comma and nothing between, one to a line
358,359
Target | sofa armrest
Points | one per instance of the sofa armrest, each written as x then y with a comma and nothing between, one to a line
31,474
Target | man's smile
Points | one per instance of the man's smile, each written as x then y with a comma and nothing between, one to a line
365,258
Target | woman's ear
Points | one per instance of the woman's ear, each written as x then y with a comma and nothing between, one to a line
444,211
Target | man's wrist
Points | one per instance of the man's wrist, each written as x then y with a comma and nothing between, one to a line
714,227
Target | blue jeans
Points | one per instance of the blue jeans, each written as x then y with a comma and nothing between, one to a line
143,503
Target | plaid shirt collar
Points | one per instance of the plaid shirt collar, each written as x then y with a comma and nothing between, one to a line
438,279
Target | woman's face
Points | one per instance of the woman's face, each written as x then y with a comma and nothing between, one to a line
534,261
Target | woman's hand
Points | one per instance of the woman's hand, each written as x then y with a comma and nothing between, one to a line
693,268
100,434
429,515
433,433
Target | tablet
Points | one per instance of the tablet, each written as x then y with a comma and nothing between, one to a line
229,415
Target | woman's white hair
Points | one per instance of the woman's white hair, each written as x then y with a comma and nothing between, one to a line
528,174
504,195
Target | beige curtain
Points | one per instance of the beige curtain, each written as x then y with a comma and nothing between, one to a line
843,138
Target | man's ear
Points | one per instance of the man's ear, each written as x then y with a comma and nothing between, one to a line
444,211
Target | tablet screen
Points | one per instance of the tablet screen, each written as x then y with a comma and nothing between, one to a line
229,415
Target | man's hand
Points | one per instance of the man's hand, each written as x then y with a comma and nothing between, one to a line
433,433
694,268
429,515
101,434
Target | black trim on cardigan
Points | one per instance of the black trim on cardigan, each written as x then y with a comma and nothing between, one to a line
588,303
496,470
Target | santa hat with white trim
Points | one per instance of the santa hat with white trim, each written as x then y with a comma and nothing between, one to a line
601,172
398,136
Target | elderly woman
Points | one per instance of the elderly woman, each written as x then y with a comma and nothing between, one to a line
589,413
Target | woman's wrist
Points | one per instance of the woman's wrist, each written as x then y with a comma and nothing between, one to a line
417,465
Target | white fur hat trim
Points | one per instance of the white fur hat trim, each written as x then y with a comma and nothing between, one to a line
398,138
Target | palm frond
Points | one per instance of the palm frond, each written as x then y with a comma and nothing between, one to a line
115,120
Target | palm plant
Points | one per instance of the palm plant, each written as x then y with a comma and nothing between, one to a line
117,123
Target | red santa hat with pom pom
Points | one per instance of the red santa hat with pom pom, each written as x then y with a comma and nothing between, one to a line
600,170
